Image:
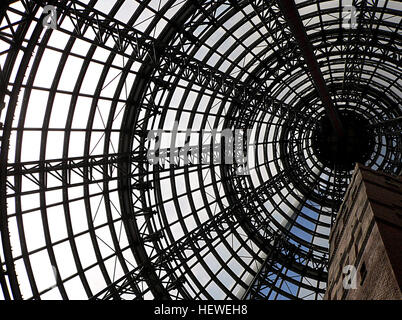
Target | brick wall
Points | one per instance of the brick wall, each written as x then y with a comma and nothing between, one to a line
368,235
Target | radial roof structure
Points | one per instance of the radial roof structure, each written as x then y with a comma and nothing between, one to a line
93,90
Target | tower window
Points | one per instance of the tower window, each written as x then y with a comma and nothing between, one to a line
363,273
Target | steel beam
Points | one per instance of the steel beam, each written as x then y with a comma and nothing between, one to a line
116,36
225,221
389,127
292,16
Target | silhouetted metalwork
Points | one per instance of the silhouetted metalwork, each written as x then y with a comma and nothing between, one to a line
197,230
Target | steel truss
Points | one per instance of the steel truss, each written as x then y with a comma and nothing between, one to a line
225,221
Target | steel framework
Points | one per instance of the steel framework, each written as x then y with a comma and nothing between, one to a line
84,214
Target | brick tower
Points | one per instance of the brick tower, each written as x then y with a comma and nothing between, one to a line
366,240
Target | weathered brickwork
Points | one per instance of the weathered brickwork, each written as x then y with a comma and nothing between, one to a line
368,235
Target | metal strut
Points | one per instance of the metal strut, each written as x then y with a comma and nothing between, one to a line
292,16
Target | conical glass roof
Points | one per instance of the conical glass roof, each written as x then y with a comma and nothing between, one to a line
93,90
